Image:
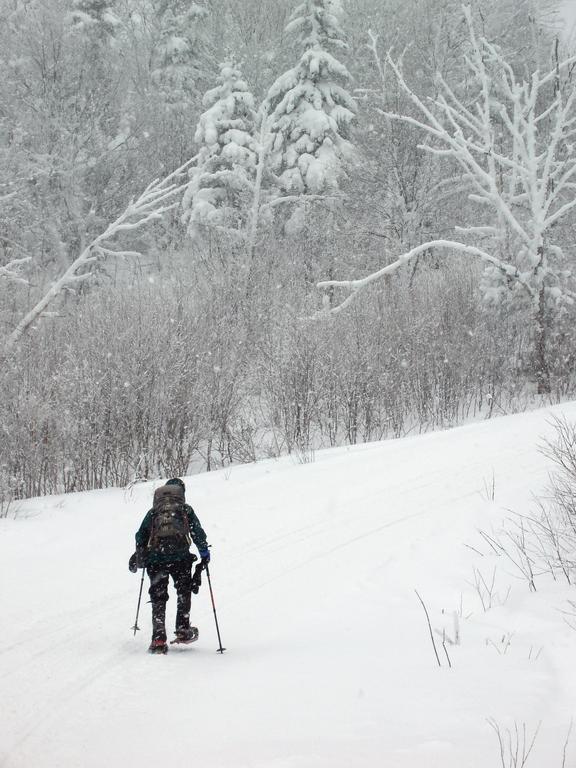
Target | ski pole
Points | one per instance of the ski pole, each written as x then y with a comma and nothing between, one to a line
220,649
136,627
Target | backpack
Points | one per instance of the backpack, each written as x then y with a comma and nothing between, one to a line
170,529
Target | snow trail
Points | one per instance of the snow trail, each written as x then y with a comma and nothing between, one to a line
329,662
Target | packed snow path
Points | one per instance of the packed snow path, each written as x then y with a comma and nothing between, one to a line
329,661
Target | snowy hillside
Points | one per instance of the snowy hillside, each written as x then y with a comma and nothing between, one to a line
314,567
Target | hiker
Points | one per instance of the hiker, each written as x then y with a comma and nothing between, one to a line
163,548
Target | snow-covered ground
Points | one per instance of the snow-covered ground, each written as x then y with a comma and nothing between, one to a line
329,661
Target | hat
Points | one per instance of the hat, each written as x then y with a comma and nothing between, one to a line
176,481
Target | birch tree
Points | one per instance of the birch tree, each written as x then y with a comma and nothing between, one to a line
513,142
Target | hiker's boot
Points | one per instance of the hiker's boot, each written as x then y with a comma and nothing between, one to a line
186,635
158,645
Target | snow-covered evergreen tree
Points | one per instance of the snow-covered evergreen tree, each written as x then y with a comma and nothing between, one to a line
223,180
178,56
95,18
311,108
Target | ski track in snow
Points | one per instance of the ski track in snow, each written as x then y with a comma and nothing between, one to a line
314,567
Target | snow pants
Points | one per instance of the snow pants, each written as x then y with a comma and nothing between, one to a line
159,574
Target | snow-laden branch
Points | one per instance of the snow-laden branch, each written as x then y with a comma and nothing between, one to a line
356,286
158,198
471,157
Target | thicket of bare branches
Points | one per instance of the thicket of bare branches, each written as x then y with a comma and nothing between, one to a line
169,376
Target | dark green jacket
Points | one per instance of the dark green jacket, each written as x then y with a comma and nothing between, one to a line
156,558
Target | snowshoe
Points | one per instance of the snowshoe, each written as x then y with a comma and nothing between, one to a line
158,646
186,636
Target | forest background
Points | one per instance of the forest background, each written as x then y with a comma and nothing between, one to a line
312,142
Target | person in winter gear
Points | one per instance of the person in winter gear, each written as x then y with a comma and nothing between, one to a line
163,548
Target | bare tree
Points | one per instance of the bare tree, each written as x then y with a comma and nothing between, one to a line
512,141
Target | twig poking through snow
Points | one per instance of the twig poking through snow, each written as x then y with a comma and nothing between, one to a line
514,748
566,743
429,628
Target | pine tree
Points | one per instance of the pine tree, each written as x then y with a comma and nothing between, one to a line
311,110
178,57
95,18
223,180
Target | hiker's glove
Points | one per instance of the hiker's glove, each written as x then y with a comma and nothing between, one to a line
138,560
204,556
197,578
